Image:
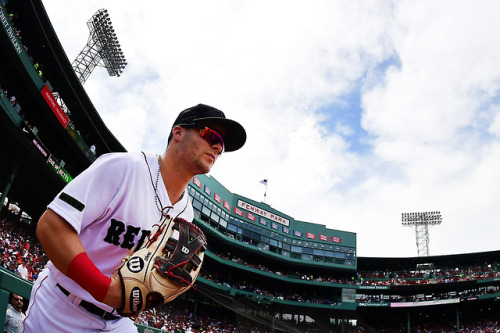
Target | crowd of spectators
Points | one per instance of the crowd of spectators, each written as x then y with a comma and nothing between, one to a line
177,318
388,278
434,276
289,274
20,252
295,296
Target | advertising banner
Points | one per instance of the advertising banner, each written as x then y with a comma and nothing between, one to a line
44,152
10,31
54,106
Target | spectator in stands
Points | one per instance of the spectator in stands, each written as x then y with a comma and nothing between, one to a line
13,266
22,269
14,317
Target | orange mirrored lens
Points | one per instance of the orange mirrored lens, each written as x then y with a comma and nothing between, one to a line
212,137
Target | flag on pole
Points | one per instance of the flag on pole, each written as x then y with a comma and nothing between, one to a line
264,181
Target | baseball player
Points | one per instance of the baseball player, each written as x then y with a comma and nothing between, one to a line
110,209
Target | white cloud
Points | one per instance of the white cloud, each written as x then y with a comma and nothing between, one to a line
271,65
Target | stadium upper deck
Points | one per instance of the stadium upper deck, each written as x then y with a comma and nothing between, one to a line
48,122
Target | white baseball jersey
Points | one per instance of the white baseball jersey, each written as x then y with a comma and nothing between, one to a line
112,205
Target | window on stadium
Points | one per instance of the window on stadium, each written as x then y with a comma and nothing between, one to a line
307,257
197,204
318,252
307,250
215,217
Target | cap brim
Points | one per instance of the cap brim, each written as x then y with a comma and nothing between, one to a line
233,133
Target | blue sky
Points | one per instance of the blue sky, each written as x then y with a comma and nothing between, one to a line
363,111
344,115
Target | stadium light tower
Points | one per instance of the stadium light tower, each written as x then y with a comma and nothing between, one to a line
421,222
102,49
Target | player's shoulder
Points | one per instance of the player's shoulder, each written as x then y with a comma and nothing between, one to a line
115,166
121,157
121,160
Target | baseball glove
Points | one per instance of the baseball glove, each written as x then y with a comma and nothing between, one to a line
164,267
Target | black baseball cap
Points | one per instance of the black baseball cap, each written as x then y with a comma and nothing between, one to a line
232,132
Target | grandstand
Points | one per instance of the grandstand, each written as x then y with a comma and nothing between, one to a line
264,271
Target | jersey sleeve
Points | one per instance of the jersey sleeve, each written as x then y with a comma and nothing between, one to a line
87,197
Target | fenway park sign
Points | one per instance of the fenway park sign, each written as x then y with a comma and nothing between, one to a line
264,213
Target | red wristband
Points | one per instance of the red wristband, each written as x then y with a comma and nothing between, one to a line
83,271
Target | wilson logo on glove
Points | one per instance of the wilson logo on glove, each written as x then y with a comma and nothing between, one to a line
136,299
166,266
135,264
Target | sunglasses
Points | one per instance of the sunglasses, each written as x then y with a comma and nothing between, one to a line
18,299
212,137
